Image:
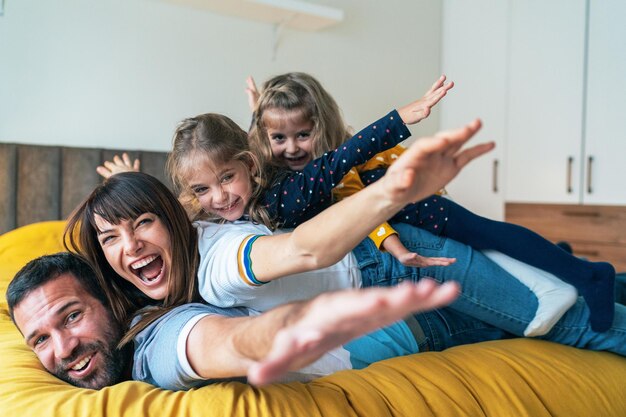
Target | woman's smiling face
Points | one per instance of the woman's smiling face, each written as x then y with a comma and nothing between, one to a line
139,251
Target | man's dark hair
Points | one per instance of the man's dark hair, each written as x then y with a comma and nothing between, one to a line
47,268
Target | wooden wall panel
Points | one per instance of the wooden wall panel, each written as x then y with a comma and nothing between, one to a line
8,184
38,184
153,163
78,176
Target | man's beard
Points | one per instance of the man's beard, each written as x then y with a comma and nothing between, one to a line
113,363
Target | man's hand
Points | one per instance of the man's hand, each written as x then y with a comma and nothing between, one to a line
333,319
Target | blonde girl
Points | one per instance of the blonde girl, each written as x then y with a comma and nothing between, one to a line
287,132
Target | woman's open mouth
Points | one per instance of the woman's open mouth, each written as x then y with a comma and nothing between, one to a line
148,269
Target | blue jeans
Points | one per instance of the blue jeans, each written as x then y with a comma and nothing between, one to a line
490,297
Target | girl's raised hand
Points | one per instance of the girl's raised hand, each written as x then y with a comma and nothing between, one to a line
118,165
420,109
252,92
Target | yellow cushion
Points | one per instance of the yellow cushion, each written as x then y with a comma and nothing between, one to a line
19,246
518,377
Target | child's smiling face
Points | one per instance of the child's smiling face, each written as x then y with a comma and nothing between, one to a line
291,137
221,189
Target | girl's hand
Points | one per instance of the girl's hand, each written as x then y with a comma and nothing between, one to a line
420,109
417,261
394,246
252,92
118,165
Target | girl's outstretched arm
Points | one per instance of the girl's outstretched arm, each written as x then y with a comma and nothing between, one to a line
298,196
427,166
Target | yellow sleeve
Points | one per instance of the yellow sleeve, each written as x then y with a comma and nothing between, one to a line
349,185
386,158
381,233
382,159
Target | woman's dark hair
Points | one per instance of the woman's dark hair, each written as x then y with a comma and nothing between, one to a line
126,196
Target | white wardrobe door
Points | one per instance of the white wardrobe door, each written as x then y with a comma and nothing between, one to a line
545,101
474,57
605,136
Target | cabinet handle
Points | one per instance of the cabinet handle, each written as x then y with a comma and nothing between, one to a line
494,179
581,213
570,162
589,177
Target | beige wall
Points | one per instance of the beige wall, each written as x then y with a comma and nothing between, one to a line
121,73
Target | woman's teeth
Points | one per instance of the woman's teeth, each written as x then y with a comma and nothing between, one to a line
145,271
143,262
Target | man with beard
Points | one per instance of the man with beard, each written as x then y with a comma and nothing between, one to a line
57,304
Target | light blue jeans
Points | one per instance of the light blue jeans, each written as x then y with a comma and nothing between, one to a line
493,304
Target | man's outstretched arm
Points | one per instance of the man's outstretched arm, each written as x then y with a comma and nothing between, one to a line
294,335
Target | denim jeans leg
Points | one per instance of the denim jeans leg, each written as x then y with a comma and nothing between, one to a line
445,328
380,269
488,293
574,330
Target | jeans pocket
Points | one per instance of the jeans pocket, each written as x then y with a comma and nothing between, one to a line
458,323
366,254
463,329
414,238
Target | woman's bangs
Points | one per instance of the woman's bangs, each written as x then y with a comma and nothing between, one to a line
116,207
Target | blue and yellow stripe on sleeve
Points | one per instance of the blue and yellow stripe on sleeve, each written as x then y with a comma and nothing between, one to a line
245,263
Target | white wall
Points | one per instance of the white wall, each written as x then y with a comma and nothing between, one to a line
121,73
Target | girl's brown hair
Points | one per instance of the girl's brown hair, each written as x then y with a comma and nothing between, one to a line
220,140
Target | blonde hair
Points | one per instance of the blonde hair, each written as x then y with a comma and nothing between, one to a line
297,91
220,140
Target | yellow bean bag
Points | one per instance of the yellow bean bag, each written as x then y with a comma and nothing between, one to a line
518,377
